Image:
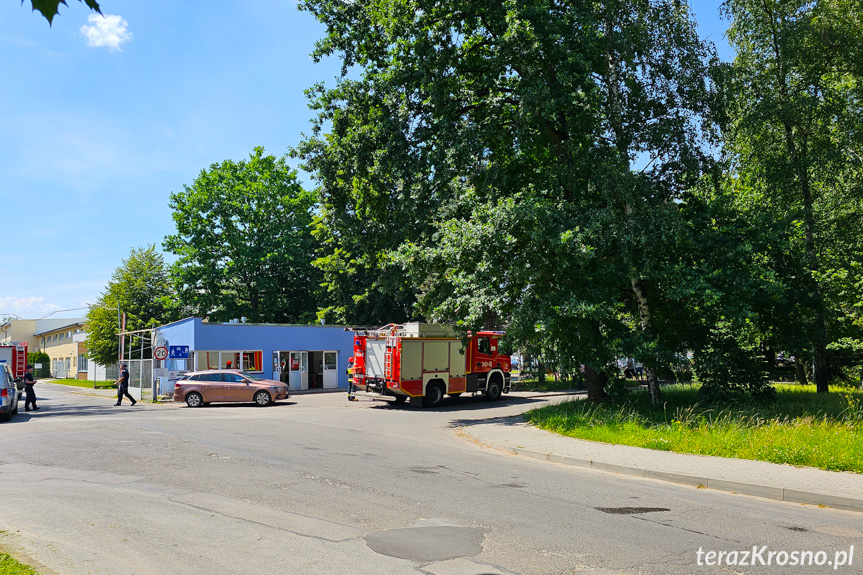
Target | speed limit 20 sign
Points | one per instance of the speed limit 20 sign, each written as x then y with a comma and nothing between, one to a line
161,353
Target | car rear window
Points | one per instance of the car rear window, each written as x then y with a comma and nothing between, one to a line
211,377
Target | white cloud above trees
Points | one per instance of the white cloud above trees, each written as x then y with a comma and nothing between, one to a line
108,31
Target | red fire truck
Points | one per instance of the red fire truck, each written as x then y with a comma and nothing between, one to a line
424,362
14,355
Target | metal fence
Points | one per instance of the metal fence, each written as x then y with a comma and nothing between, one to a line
140,378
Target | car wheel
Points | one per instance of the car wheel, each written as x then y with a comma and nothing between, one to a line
262,398
194,399
493,390
434,395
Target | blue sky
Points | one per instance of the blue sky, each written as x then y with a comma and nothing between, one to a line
102,118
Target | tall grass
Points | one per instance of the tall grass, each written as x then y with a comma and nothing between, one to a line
9,566
800,428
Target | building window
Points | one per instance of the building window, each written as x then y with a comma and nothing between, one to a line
245,360
62,335
82,362
329,360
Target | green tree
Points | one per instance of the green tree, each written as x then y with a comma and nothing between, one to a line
50,8
795,132
244,243
140,288
519,161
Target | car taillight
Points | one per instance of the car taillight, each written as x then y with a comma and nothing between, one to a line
4,393
178,384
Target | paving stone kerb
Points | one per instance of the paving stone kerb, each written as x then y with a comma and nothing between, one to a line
839,490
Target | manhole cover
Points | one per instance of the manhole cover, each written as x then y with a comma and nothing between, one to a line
425,544
630,510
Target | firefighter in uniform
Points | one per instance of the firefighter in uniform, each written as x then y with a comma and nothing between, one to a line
351,396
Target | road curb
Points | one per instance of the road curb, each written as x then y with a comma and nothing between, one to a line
766,491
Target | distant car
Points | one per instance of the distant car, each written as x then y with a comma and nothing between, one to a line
8,393
199,388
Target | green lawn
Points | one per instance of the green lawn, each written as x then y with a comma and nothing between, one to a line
9,566
800,428
83,383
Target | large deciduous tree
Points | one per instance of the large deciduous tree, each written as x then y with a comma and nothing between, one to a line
519,161
244,243
140,288
797,135
50,8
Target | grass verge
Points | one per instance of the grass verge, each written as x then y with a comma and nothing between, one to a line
9,566
800,428
83,383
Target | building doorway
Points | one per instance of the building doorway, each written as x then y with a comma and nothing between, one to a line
304,369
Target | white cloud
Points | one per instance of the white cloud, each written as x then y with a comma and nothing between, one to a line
106,31
26,307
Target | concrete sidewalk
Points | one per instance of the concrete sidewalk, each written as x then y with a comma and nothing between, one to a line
839,490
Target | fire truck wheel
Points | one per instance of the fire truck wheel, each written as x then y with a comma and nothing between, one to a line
400,399
493,390
434,395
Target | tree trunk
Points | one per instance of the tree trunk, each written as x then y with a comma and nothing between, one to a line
541,372
596,381
820,367
798,154
644,312
801,372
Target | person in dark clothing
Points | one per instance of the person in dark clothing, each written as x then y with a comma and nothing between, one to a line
123,386
29,381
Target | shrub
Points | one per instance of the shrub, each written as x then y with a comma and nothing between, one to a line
40,357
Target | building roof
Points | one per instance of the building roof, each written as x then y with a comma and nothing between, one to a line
59,328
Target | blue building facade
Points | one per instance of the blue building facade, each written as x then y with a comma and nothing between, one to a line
304,356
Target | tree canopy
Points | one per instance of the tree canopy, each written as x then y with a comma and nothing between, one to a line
516,163
140,288
244,243
795,135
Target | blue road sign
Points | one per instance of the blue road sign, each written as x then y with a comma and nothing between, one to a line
178,352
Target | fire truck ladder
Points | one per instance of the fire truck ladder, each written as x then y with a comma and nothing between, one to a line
388,357
19,361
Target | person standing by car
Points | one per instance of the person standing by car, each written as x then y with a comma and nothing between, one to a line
123,386
29,382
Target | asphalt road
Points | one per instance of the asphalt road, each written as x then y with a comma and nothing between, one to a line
320,485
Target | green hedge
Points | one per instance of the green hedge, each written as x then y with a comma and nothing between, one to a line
40,357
